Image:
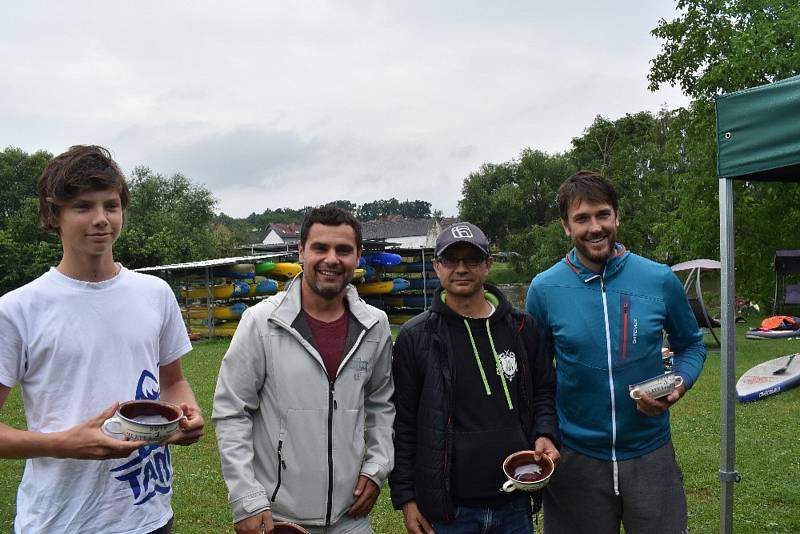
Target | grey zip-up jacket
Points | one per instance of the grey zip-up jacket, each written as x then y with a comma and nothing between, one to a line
290,439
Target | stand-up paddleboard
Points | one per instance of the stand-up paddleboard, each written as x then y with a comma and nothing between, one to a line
224,291
382,258
289,270
755,333
381,288
769,378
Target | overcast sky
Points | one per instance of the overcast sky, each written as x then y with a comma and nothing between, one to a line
288,104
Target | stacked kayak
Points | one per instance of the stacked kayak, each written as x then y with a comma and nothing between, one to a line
401,285
233,288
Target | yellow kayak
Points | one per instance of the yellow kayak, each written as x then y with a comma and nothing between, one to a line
222,291
223,330
290,270
233,311
381,288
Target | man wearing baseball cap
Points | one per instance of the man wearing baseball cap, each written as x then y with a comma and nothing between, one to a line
473,384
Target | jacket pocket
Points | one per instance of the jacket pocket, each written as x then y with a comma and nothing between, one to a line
281,466
348,455
302,482
625,335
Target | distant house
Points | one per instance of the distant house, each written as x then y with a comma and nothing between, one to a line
408,233
282,234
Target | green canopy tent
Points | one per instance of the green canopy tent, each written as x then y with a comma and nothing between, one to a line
758,139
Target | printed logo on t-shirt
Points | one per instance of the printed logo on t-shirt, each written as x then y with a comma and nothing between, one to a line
149,473
508,364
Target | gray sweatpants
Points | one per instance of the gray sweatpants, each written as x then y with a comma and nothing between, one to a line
580,496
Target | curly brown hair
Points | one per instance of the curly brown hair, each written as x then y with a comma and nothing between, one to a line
80,169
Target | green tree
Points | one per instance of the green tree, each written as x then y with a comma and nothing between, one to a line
169,220
508,198
415,209
635,152
19,172
715,47
26,251
344,204
719,46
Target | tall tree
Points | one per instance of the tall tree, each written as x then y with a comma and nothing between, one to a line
26,251
169,220
19,172
715,47
719,46
344,204
633,152
507,198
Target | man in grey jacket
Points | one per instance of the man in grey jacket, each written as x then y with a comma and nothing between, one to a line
302,407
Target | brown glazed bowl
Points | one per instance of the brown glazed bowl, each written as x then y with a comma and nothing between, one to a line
283,527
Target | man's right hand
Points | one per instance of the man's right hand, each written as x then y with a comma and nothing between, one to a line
414,520
257,524
87,441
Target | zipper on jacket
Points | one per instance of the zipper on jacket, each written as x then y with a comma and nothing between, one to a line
331,404
625,307
446,459
281,466
610,386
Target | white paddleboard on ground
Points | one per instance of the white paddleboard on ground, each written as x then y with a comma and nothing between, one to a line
769,378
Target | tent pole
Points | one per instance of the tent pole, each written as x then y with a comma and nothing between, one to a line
727,472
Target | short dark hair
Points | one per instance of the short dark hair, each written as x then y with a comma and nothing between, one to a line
329,216
80,169
589,186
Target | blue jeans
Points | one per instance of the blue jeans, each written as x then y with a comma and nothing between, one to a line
512,518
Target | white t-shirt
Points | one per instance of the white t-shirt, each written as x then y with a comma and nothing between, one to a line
76,347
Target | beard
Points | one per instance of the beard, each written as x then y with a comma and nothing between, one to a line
594,255
329,291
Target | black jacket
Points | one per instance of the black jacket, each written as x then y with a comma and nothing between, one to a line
424,400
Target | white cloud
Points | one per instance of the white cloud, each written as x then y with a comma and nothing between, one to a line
286,104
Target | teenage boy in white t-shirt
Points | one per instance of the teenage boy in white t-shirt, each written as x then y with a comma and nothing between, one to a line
79,339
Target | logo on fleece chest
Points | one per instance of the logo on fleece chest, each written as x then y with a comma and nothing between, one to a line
507,364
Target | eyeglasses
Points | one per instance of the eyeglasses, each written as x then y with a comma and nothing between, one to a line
470,262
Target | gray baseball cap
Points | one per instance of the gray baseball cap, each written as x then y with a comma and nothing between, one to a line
461,232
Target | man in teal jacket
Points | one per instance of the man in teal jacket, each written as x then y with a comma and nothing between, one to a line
604,309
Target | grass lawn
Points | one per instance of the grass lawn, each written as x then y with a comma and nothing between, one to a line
503,273
767,444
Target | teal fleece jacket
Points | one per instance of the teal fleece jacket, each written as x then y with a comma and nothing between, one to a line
606,330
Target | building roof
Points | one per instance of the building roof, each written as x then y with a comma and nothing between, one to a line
392,227
285,230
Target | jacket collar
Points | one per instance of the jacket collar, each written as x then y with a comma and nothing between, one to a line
612,266
502,305
288,308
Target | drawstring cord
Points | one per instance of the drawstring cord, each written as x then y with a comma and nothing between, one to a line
499,367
